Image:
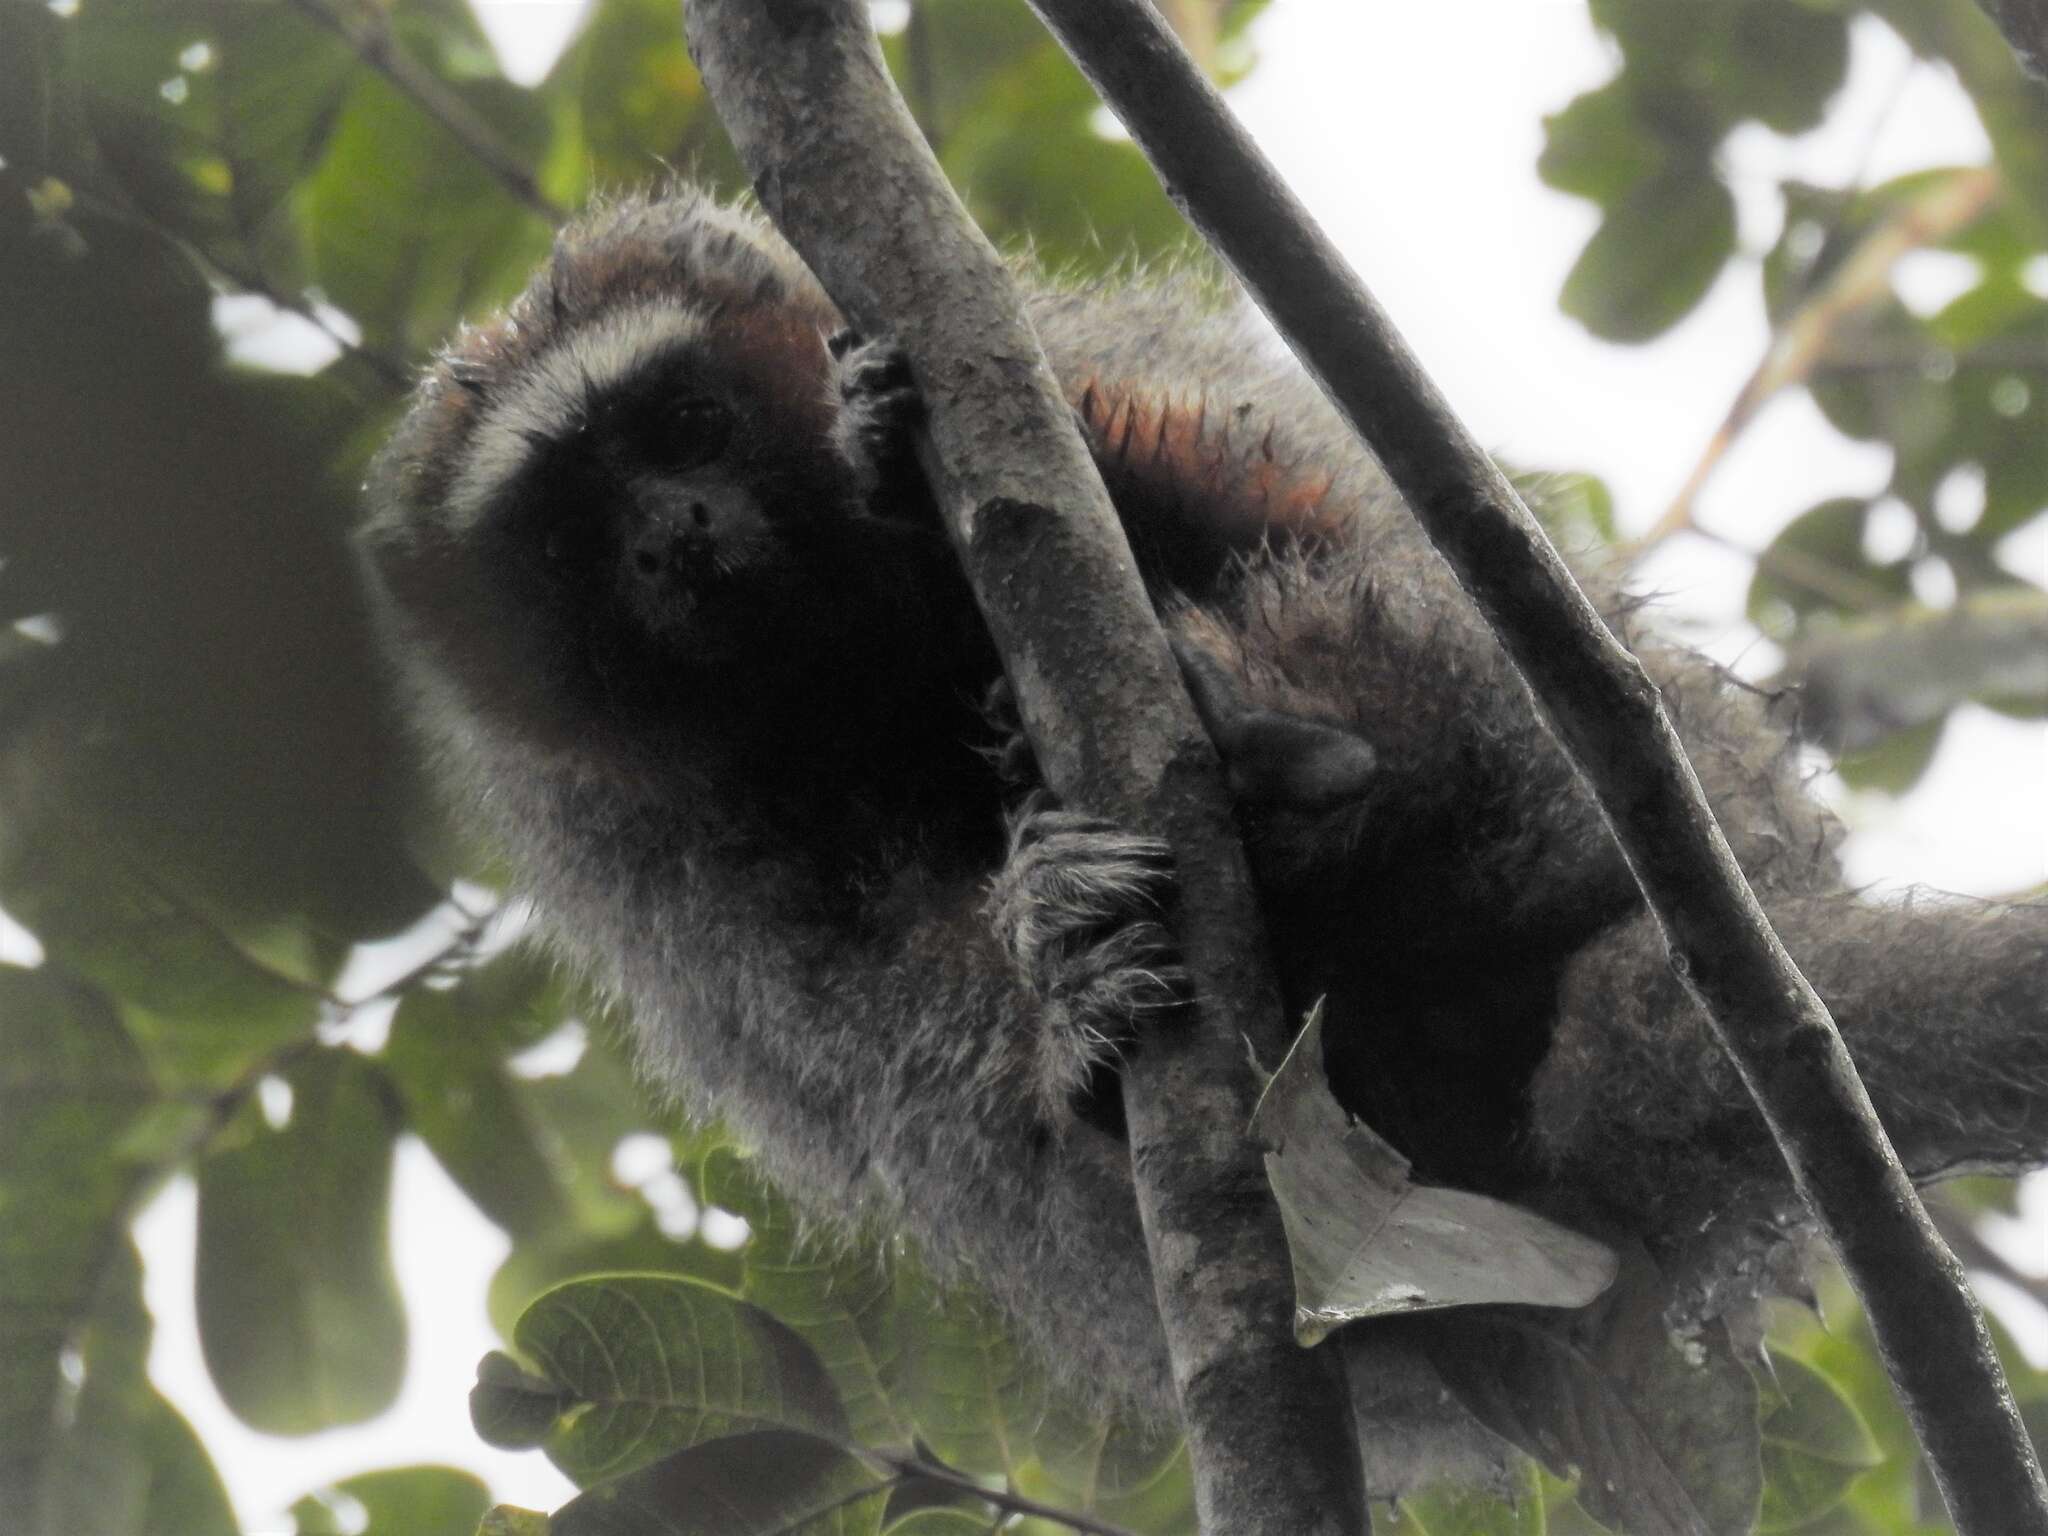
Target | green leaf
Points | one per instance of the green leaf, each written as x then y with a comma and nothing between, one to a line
133,1467
248,120
842,1299
1781,63
1814,1445
975,1396
401,1501
635,102
770,1483
1662,1432
507,1520
1596,148
1816,566
202,793
299,1313
1895,764
513,1408
466,242
121,1461
447,1056
1015,127
537,1267
1576,509
1654,256
638,1366
1462,1512
70,1078
1093,1464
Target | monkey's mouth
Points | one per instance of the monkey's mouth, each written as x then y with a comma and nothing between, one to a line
667,587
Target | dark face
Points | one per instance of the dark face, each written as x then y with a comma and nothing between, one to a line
668,557
657,531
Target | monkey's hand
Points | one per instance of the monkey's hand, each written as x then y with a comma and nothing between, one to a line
1273,757
879,412
1081,907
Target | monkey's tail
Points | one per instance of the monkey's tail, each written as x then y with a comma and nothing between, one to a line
1943,1004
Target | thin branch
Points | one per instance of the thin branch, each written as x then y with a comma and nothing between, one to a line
370,36
225,272
1800,344
903,1468
838,164
1608,717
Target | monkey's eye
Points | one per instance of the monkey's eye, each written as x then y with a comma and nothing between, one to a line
688,434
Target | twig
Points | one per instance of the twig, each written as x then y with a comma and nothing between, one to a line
389,370
370,36
1607,715
910,1468
838,164
228,273
1800,344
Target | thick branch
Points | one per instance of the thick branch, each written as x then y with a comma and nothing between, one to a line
1607,714
837,162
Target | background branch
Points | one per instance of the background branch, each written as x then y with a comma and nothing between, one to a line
837,162
370,35
1801,344
1608,716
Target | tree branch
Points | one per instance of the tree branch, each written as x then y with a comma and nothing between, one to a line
1607,715
1800,344
837,162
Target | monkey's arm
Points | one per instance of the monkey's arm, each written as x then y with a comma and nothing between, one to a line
907,1062
1944,1007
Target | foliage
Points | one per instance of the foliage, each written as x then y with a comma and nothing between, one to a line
205,809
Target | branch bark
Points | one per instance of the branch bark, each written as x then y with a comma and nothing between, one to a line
836,161
1607,714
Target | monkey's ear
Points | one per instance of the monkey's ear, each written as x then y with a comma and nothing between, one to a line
1273,758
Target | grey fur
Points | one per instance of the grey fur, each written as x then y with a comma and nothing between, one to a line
909,1062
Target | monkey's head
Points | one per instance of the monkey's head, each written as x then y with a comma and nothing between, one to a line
616,511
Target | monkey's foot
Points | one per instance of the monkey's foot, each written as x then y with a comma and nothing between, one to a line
1081,906
1273,757
879,406
1015,761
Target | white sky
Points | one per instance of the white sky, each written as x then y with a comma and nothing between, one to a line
1412,132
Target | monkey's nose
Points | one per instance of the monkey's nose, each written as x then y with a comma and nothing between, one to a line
674,544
